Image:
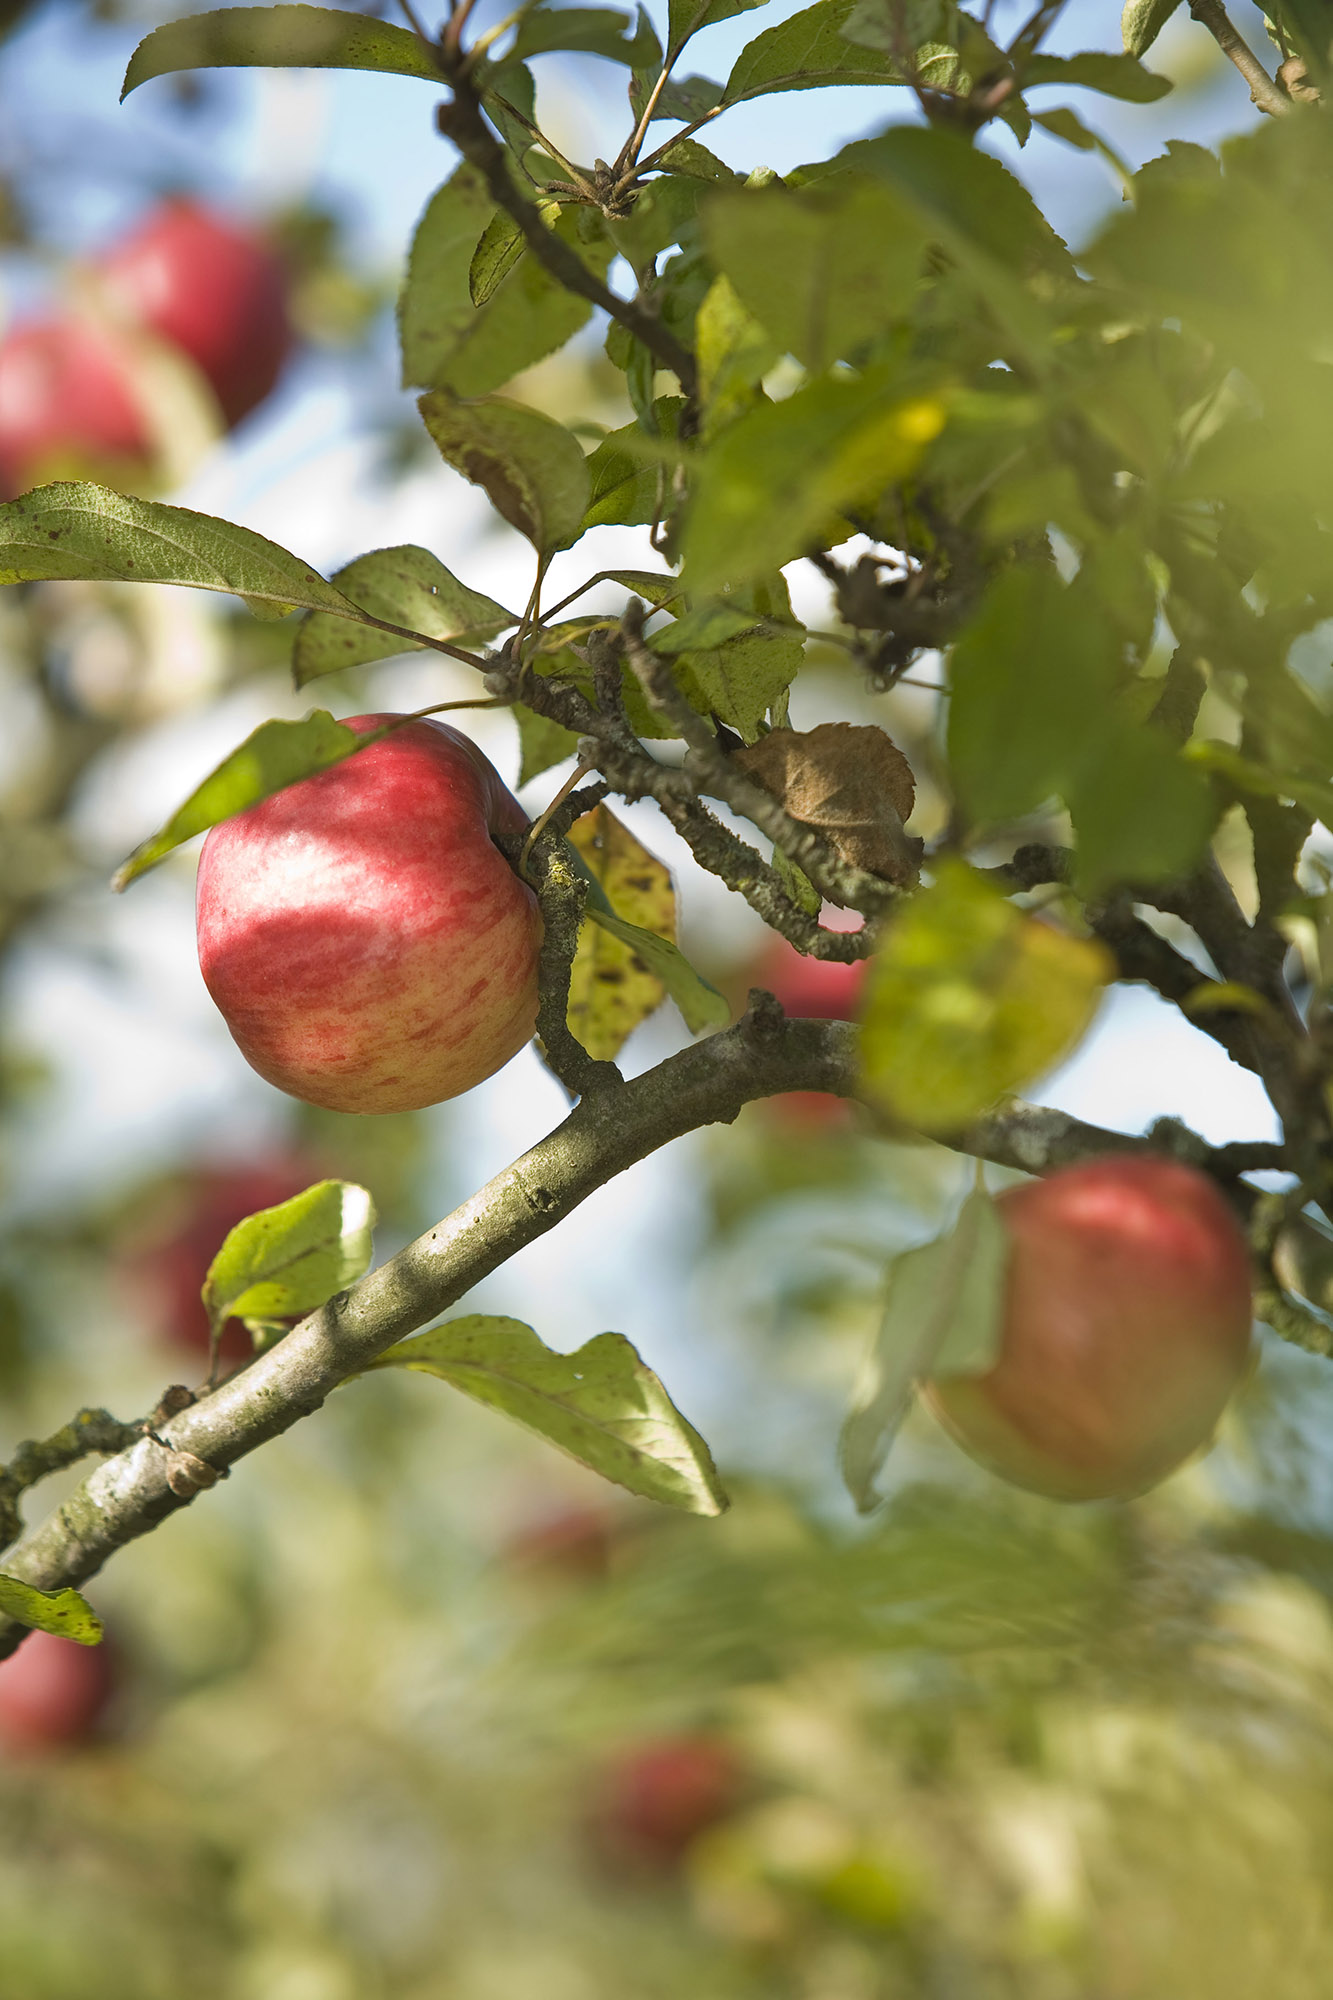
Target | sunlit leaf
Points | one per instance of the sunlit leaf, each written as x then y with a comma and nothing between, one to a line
405,586
282,37
61,1611
611,990
601,1405
703,1008
806,52
275,755
968,999
77,530
594,31
1142,21
290,1259
942,1316
530,467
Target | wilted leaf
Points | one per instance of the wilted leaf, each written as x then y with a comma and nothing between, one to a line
611,990
275,755
968,999
529,466
943,1315
61,1611
287,1260
405,586
701,1005
850,782
283,37
78,530
601,1405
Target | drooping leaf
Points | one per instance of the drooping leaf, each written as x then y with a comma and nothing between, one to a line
541,743
943,1313
530,467
611,990
501,245
824,270
774,480
701,1006
626,470
592,31
600,1405
1142,21
448,339
63,1612
687,17
275,755
77,530
405,586
968,999
806,52
292,1258
1114,76
282,37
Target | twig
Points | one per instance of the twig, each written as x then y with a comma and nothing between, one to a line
37,1458
1211,14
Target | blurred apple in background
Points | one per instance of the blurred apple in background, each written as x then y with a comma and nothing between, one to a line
68,407
658,1797
818,989
53,1693
1126,1328
215,290
174,1243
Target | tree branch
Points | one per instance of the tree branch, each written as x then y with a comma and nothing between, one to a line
1264,93
609,1131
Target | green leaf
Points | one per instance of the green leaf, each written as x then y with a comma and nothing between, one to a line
611,990
502,244
530,467
405,586
601,1405
61,1611
450,342
825,270
687,156
968,999
772,482
687,17
541,743
741,680
701,1005
290,1259
1141,811
625,471
276,755
1142,21
279,38
734,353
1261,781
943,1314
74,529
1114,76
706,626
683,97
806,52
593,31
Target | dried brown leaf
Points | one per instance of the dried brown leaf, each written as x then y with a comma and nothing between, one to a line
850,782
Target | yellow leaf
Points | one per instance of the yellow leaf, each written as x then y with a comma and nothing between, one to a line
610,989
970,998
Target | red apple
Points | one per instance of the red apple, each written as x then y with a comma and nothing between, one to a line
67,406
1126,1328
659,1797
214,290
52,1693
168,1265
817,989
366,941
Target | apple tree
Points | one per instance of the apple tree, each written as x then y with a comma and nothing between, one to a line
1083,494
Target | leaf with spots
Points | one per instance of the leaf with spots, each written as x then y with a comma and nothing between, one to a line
530,467
601,1405
405,586
63,1612
610,988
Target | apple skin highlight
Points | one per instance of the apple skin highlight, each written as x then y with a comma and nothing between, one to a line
1126,1329
368,945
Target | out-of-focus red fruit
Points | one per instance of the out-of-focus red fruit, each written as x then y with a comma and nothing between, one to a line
67,407
1126,1328
52,1693
818,989
659,1797
573,1544
172,1269
214,290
